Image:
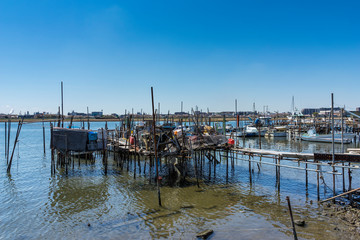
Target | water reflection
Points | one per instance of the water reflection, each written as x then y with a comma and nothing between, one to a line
86,204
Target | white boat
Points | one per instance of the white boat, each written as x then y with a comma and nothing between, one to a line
276,132
252,131
237,133
311,136
281,128
228,127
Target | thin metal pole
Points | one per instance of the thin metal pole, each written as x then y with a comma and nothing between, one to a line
155,147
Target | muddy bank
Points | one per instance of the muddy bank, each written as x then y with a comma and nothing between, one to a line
345,218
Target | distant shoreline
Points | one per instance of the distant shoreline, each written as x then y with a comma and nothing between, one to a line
176,119
148,118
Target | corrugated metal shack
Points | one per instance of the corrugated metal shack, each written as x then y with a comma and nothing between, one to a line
67,143
78,140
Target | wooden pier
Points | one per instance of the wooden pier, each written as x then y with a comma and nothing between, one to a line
161,152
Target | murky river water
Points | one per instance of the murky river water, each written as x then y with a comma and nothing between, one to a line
87,204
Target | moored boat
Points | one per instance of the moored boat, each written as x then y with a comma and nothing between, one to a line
311,136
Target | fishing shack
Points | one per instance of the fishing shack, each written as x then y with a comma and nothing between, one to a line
67,142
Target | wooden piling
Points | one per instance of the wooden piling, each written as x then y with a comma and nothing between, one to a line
88,118
306,175
196,169
333,141
15,142
5,149
8,141
350,181
291,217
318,181
43,127
250,174
227,166
62,105
155,147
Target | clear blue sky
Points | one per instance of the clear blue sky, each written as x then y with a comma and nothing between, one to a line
204,53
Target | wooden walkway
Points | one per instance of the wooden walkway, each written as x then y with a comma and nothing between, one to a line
339,157
282,155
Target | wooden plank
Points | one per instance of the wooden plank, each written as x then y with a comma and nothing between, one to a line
345,193
276,153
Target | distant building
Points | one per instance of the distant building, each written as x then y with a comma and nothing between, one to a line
97,114
358,109
321,111
76,114
180,113
327,111
310,111
38,115
244,113
226,113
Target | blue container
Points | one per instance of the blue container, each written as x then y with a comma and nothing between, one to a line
92,136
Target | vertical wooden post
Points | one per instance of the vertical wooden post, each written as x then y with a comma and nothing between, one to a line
259,132
350,178
7,162
224,125
318,180
196,169
278,173
306,175
16,140
333,141
8,140
62,105
291,217
88,118
43,134
250,175
215,164
155,146
342,130
342,147
227,166
209,161
138,155
135,153
52,150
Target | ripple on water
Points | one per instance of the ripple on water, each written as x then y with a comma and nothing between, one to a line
36,205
